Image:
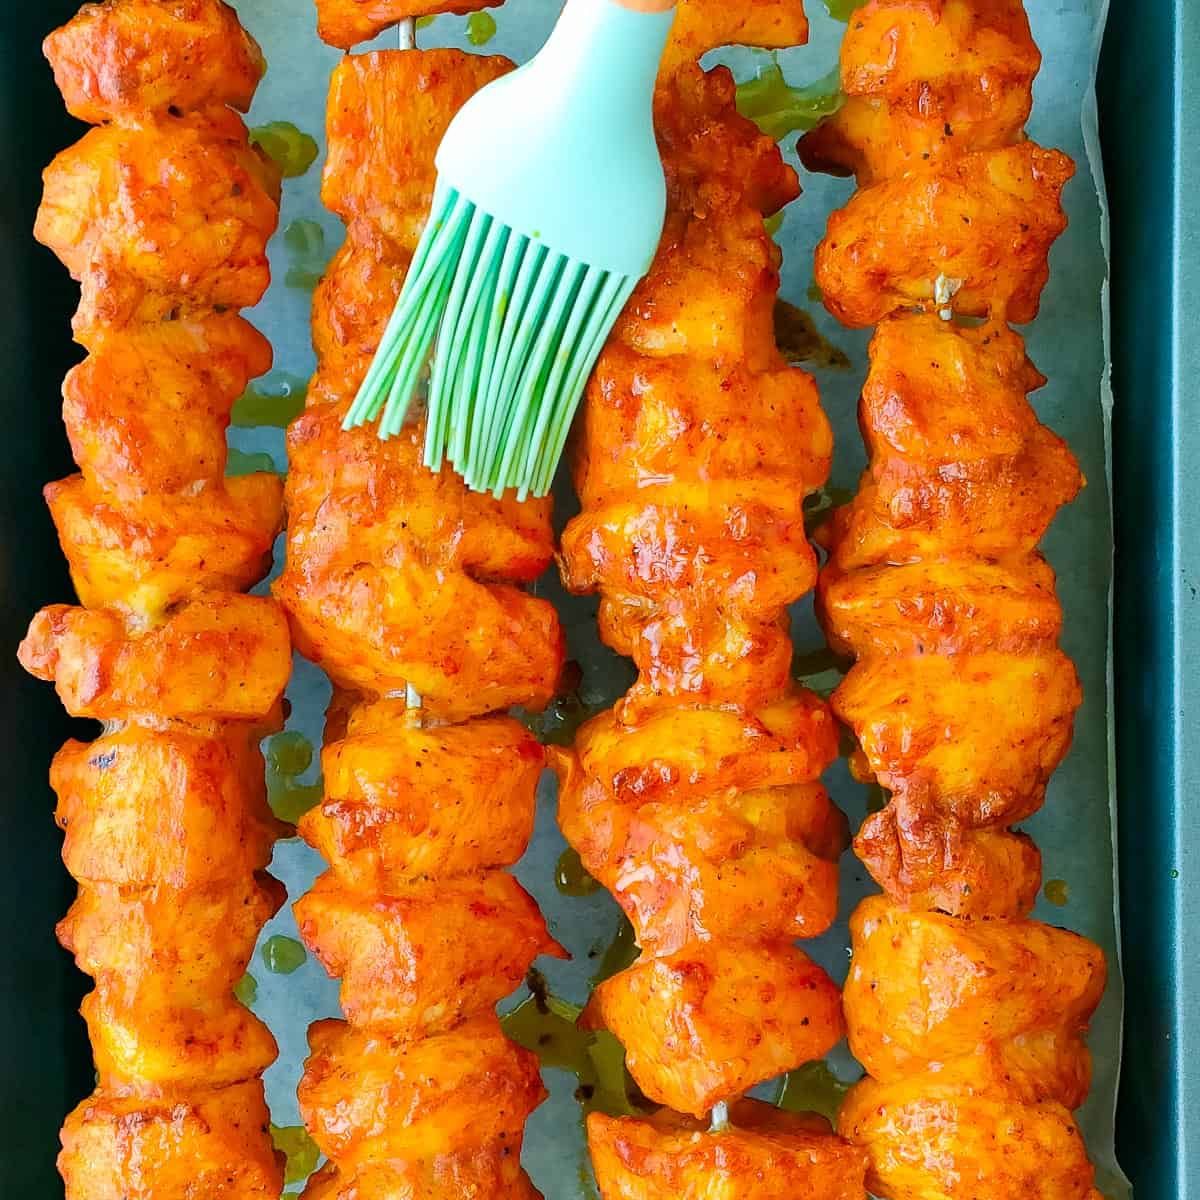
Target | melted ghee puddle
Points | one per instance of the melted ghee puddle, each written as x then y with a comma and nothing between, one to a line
571,876
813,1088
275,400
548,1026
301,1151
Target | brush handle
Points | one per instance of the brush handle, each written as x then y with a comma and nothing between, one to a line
603,56
563,150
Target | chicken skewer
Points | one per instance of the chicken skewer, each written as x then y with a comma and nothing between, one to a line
406,588
697,800
162,213
968,1016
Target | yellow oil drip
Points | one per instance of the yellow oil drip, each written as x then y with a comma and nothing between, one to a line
622,952
246,989
571,877
843,10
549,1027
820,671
813,1088
282,955
289,755
301,1151
275,400
292,150
481,28
819,506
801,342
308,254
1057,892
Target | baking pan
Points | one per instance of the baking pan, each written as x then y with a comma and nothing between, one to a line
1150,132
1150,127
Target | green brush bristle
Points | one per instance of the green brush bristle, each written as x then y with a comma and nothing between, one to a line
518,330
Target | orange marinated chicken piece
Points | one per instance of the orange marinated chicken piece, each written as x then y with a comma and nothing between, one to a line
703,25
927,79
935,862
155,217
212,1143
688,652
677,752
695,649
712,1021
402,802
764,1154
142,806
389,574
164,944
364,1096
894,48
219,657
670,428
171,1049
943,392
759,864
942,607
710,150
711,288
925,988
740,869
977,735
380,165
123,59
986,509
147,410
345,23
708,823
888,247
490,1170
147,557
351,308
368,144
417,960
959,460
928,1140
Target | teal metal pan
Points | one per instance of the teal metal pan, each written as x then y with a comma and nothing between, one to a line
1150,125
1150,128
